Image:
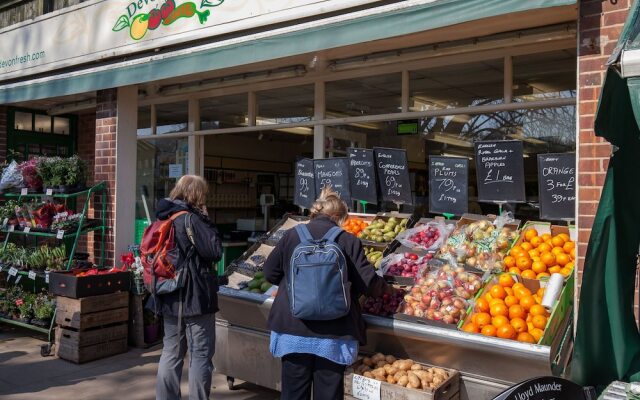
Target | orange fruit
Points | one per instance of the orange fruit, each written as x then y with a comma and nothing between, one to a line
494,302
519,325
488,330
565,236
530,324
538,299
526,246
482,305
530,234
506,332
509,261
471,328
515,250
521,291
536,333
523,263
509,291
529,274
511,300
568,246
543,275
499,321
546,236
563,259
565,272
518,285
527,302
549,259
534,253
536,241
543,248
569,265
537,309
540,292
499,309
538,266
557,251
514,270
517,311
497,292
558,241
526,338
482,319
539,321
573,254
487,297
555,269
506,280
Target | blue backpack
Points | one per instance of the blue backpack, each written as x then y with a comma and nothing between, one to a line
318,284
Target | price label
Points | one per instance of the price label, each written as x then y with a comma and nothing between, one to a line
27,229
32,275
60,234
4,222
24,191
18,279
365,388
1,268
49,192
13,271
46,277
12,228
64,214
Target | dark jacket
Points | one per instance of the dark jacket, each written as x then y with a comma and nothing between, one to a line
200,292
362,276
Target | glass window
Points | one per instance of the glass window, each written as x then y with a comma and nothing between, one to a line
456,86
371,95
172,117
224,112
544,75
144,121
285,105
43,123
61,125
23,121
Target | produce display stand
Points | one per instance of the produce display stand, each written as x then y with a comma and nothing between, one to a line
85,225
487,365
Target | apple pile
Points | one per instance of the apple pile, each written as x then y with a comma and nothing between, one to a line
426,238
407,265
385,305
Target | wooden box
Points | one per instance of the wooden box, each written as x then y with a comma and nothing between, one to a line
90,312
68,285
83,346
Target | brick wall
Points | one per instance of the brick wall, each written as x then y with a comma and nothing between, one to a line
105,160
86,151
600,24
3,133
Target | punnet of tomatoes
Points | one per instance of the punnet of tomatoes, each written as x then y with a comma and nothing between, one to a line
355,225
540,256
509,310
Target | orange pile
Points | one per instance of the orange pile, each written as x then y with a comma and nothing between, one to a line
541,256
509,310
355,225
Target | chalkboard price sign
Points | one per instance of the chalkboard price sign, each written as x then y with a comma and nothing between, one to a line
305,187
362,175
333,172
557,185
448,185
500,171
393,175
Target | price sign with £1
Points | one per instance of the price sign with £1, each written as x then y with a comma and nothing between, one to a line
365,388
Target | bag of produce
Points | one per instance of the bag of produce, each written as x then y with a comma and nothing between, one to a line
406,265
429,236
11,177
385,305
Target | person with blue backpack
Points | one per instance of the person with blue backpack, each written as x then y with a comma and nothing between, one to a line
316,322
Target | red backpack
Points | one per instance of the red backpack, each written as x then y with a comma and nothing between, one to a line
160,255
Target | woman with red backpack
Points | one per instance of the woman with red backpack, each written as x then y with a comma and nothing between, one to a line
189,310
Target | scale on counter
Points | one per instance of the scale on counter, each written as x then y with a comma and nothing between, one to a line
266,201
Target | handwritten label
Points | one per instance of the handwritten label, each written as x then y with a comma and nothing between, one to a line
557,185
32,275
500,171
26,229
18,279
13,271
24,191
46,277
11,228
333,172
49,192
60,234
362,175
393,175
365,388
448,185
305,186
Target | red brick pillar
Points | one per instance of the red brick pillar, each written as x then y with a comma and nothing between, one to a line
600,24
86,151
105,161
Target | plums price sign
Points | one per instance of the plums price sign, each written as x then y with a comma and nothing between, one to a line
557,185
362,175
305,187
333,172
393,175
365,388
448,185
500,171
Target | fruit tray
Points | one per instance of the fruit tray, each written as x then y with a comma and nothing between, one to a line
287,222
251,261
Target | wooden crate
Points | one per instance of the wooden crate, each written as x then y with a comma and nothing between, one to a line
448,390
90,312
83,346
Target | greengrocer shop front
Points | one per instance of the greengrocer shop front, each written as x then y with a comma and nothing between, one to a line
238,91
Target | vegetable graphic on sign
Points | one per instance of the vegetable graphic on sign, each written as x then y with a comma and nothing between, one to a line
167,14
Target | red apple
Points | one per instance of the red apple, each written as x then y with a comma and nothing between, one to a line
167,8
155,18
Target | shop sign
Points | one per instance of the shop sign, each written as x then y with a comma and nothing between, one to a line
546,388
448,185
305,186
557,185
500,171
101,29
393,175
409,127
362,175
334,173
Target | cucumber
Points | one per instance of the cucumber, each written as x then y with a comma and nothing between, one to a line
258,275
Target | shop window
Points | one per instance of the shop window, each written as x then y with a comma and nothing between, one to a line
544,75
285,105
23,121
224,112
43,123
61,126
144,121
172,117
457,86
381,94
33,133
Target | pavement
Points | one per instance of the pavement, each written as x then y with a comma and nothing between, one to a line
25,374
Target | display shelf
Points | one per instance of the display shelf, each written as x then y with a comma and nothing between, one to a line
101,185
90,226
25,325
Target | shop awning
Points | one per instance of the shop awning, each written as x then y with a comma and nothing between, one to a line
607,345
403,18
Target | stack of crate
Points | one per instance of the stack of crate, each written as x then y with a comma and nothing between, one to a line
90,328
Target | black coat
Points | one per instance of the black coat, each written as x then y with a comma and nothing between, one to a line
362,276
200,292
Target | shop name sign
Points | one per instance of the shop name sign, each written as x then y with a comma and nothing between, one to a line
101,29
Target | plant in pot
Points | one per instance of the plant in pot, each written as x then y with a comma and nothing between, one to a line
60,171
8,212
30,176
25,307
47,169
76,173
44,307
151,326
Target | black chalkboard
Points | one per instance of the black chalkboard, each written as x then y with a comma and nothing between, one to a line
393,175
557,185
362,175
547,387
333,172
448,185
500,171
305,187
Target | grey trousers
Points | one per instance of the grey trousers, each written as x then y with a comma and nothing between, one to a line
197,335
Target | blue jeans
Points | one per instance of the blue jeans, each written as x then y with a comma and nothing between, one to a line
197,335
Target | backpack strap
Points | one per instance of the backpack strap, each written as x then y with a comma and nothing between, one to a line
303,233
332,234
176,215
